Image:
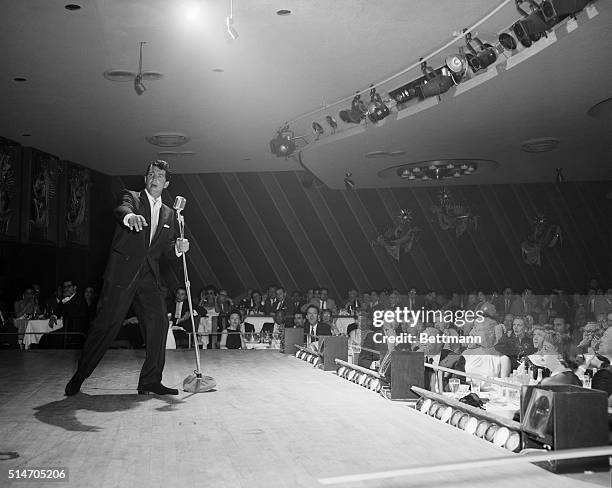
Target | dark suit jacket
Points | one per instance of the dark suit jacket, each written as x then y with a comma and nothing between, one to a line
322,329
602,380
74,314
131,249
451,360
268,327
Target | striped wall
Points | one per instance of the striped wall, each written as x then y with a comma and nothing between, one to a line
249,230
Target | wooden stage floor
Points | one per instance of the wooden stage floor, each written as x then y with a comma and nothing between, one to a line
273,421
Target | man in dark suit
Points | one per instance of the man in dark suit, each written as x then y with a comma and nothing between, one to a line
72,309
313,329
145,233
180,317
437,355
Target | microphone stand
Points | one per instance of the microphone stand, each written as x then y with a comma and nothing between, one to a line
193,383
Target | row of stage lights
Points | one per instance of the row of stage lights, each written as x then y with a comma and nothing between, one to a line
490,431
476,56
310,357
360,378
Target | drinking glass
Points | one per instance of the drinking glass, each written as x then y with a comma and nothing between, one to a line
453,383
476,386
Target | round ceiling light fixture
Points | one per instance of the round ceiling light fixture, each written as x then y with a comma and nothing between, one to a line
20,79
218,70
437,170
540,145
72,7
167,139
283,11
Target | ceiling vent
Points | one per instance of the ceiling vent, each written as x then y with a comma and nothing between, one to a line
167,139
543,144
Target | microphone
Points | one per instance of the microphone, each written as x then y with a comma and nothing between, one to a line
179,203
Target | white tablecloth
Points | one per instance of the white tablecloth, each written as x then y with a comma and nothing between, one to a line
35,329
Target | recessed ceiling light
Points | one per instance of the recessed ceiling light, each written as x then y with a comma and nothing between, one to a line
26,135
246,159
72,7
218,70
20,79
542,144
167,139
283,12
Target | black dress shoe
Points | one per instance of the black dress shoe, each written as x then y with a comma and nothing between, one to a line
156,388
73,386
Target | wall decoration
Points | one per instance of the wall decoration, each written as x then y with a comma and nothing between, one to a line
10,189
542,234
77,204
400,236
43,212
453,214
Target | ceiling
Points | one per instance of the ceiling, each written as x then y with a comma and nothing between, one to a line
284,66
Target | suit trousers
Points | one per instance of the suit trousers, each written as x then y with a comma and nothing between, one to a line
150,307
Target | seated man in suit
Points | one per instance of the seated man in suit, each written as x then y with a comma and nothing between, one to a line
437,354
313,328
322,302
72,309
180,317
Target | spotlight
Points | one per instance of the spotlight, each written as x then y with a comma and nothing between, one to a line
377,110
356,113
317,129
139,85
348,183
458,65
482,57
435,83
332,122
283,144
531,27
556,10
507,41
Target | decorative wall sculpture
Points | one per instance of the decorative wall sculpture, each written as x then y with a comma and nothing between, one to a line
542,234
400,236
10,189
43,187
453,214
77,204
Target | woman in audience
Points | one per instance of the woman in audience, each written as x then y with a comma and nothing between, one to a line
232,337
27,306
558,361
517,344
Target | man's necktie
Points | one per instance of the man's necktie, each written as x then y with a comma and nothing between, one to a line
154,218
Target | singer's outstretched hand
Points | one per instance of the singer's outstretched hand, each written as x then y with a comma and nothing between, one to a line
181,245
137,223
